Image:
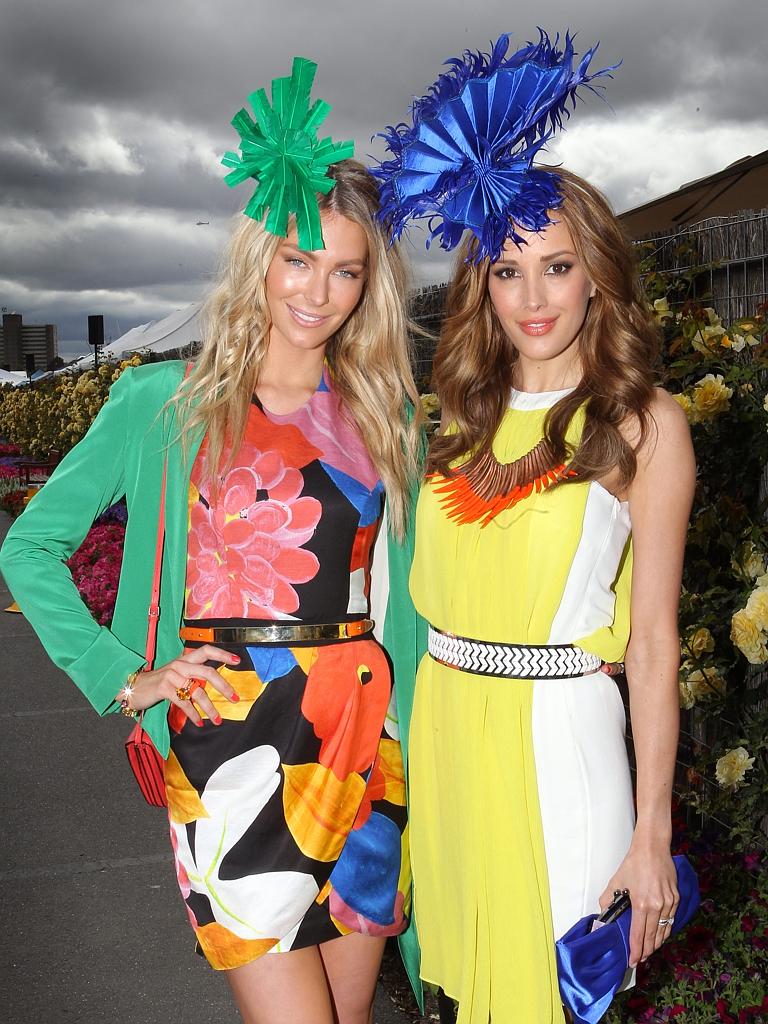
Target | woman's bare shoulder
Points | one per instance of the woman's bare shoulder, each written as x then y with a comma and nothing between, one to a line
666,423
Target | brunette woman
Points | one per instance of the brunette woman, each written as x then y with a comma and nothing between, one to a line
549,548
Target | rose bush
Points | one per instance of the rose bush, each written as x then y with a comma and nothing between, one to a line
719,374
715,971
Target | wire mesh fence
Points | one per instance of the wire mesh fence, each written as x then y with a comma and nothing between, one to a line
427,307
727,256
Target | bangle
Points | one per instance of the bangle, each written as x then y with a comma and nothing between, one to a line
124,697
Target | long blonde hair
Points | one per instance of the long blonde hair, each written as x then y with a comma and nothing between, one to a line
368,356
618,344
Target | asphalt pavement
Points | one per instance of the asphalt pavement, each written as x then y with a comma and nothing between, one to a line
93,926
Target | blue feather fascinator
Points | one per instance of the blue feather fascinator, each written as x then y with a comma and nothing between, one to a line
466,161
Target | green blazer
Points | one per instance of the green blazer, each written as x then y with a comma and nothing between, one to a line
122,456
405,639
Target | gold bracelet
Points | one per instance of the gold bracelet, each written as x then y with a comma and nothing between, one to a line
125,697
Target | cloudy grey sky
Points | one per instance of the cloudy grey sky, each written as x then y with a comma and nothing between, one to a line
115,114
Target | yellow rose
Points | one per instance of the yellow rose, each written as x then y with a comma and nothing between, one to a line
700,642
687,700
747,637
732,767
712,334
688,408
750,561
757,607
711,396
430,403
705,685
738,342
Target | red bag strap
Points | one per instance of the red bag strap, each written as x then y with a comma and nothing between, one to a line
154,606
153,613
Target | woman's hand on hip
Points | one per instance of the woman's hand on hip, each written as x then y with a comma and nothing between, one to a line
648,872
182,682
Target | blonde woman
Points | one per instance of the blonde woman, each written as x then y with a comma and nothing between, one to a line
270,699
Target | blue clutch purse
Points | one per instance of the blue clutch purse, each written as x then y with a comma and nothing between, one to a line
591,964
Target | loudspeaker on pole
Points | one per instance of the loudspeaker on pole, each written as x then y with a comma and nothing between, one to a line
96,329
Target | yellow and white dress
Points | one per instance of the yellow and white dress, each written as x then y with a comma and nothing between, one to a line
521,799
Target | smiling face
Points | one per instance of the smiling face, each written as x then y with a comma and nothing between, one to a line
311,294
540,293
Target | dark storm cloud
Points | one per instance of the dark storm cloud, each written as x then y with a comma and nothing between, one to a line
66,184
102,253
109,147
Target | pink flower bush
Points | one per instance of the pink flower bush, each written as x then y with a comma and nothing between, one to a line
245,554
12,501
95,568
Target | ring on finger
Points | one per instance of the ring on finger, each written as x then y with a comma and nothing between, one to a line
664,921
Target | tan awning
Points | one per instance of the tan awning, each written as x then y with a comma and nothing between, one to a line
740,186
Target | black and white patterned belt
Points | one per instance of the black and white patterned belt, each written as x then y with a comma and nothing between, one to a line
512,661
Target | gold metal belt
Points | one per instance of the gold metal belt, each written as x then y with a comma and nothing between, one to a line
279,633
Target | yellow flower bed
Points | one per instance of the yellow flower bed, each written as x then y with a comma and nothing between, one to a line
54,415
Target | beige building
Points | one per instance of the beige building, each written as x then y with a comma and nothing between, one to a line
18,340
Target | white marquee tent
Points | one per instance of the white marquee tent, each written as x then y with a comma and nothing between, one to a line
13,377
177,330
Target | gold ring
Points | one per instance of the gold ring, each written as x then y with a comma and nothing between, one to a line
184,693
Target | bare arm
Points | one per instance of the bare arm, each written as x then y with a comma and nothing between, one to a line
660,502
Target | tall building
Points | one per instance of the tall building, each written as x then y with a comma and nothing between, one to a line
18,340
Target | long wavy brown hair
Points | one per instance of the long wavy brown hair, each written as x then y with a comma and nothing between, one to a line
618,344
368,356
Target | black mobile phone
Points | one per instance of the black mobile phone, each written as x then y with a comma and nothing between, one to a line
615,909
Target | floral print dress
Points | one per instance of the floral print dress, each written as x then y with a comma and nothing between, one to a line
288,820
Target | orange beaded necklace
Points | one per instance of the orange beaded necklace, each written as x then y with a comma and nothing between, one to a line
483,487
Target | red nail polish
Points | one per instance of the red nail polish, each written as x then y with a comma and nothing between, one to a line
199,725
236,659
235,698
218,720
